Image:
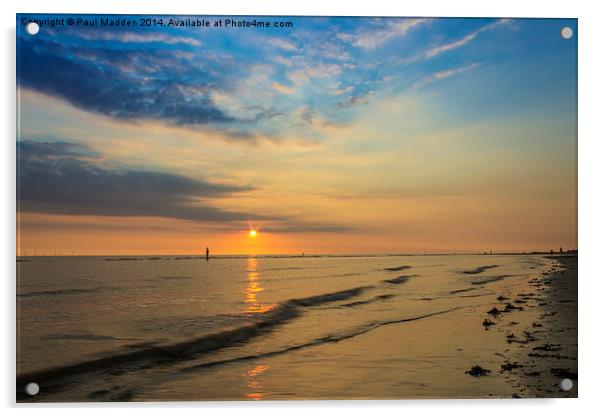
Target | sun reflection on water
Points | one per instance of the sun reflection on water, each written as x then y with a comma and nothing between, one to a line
253,288
253,384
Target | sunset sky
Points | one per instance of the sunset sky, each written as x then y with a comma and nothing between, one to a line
339,135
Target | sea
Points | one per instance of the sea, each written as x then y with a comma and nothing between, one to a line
183,328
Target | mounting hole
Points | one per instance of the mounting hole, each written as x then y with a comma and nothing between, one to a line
566,32
32,28
32,389
566,384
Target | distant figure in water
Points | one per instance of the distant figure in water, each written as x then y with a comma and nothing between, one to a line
207,253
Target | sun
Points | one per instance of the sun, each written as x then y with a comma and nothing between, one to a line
252,233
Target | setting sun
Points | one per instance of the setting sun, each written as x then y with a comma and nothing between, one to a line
253,233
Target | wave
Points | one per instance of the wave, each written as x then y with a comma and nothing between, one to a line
129,393
51,380
453,292
81,337
57,292
329,297
398,280
480,269
326,276
318,341
490,279
365,302
396,269
175,278
321,267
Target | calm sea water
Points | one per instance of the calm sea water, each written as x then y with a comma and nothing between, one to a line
172,328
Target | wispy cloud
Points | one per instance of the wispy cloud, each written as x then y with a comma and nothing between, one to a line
437,50
281,88
355,100
342,90
285,44
134,37
374,37
440,75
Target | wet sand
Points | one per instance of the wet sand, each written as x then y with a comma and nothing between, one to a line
543,348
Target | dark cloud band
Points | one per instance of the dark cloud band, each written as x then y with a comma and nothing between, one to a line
66,178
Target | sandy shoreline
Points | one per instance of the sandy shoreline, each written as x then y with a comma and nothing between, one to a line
540,327
545,351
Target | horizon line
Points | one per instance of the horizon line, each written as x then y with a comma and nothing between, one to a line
302,255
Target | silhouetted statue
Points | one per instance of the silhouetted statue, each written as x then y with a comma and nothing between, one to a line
207,254
560,250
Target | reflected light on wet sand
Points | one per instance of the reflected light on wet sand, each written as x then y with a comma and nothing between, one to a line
253,288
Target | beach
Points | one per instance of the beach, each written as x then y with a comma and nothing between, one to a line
294,328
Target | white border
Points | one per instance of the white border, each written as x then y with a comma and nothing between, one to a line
590,201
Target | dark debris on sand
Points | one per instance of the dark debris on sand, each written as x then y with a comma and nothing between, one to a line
538,368
487,323
511,307
494,311
478,371
510,366
564,373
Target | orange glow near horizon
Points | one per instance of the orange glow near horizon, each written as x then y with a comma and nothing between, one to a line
47,234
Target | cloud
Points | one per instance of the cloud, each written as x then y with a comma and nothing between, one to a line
133,37
71,179
443,75
450,72
63,178
374,37
67,73
282,44
464,41
315,70
342,90
281,88
356,100
308,228
449,46
307,115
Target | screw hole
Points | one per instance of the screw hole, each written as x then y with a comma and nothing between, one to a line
32,389
566,32
32,28
566,384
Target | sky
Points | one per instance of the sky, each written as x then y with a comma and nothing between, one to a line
335,135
